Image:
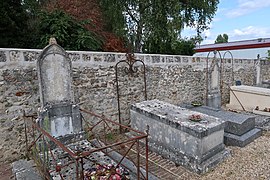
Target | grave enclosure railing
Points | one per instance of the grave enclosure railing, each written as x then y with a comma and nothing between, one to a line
101,138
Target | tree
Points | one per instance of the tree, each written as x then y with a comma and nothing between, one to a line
146,24
13,24
70,34
268,54
89,10
222,38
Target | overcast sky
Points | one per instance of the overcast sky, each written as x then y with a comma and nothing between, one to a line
240,19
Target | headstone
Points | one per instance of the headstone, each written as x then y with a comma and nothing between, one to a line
214,95
258,65
58,115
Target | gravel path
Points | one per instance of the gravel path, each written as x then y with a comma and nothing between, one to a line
250,162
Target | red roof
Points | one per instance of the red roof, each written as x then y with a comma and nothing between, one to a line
247,44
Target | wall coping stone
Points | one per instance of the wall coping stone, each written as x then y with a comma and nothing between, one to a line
11,58
252,89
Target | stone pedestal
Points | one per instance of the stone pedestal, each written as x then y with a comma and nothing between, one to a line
195,145
214,100
61,119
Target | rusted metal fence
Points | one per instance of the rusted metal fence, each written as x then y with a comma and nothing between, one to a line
75,160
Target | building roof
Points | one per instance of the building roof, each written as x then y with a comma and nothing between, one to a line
247,44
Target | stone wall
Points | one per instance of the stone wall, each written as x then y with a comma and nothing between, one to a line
173,79
265,70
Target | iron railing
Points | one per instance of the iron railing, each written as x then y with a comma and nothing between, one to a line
101,137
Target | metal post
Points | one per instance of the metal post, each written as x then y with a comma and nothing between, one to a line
82,173
146,152
138,160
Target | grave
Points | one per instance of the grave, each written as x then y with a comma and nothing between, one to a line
61,149
58,114
239,128
250,97
196,145
266,84
213,89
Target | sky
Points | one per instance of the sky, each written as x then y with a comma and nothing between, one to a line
240,19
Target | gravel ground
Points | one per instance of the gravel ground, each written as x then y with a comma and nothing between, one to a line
250,162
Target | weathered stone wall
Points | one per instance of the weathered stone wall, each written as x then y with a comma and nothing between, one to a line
265,70
240,70
173,79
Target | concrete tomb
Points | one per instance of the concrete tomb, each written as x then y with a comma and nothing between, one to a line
239,129
58,114
250,97
195,145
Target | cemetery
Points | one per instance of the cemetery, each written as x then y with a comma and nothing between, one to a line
87,115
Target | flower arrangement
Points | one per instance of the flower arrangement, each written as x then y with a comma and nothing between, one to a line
106,172
196,103
195,117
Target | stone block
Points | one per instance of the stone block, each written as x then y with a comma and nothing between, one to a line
250,97
243,140
235,123
23,169
173,135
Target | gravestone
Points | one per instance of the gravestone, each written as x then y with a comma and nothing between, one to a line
58,114
214,95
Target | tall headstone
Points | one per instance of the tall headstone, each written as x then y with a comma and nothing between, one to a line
58,114
214,95
258,65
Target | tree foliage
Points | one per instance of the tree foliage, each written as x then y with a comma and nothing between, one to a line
155,26
90,10
70,34
12,24
222,38
145,25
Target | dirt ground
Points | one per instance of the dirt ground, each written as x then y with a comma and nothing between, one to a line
6,172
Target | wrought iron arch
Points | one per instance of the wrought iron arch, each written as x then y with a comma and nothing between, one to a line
232,65
129,69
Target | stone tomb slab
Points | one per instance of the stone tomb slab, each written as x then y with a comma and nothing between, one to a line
235,123
196,145
239,128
